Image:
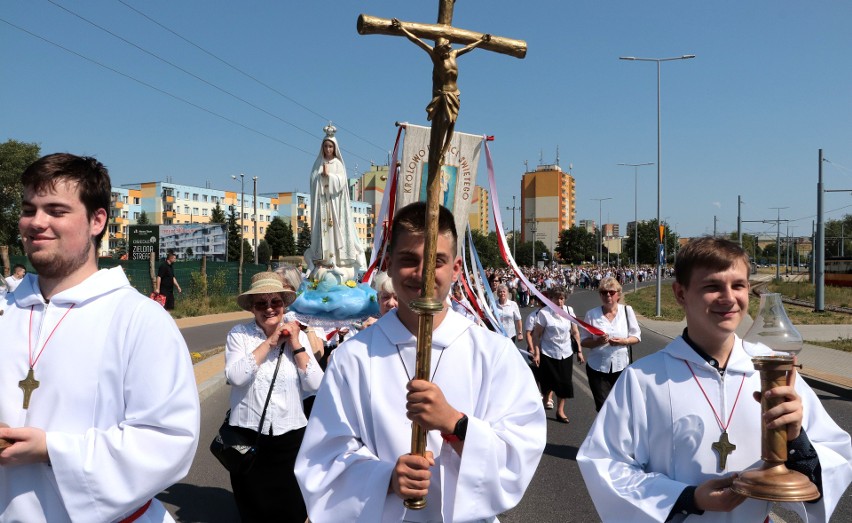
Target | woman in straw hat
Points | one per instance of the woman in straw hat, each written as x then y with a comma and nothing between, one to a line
269,492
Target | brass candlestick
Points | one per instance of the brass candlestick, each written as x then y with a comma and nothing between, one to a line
773,481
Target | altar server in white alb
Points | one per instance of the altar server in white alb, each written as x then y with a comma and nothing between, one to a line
482,412
96,383
656,450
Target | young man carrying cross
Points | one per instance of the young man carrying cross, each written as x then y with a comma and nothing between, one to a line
106,415
679,425
481,408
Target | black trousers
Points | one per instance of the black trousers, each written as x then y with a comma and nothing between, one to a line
601,383
269,492
170,299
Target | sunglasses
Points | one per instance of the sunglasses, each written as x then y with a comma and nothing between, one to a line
261,306
611,293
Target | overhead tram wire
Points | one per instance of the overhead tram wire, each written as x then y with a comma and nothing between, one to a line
155,88
250,76
199,78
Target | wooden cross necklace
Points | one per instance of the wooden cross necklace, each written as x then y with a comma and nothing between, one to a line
723,447
29,384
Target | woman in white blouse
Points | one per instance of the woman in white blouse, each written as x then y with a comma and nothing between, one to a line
269,492
510,315
555,340
609,354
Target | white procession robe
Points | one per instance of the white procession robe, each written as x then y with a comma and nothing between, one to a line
117,400
358,428
653,438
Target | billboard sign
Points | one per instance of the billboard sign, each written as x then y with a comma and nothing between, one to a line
144,239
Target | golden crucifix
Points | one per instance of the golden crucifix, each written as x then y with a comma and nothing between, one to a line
442,111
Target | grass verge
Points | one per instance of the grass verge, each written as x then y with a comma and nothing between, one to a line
644,302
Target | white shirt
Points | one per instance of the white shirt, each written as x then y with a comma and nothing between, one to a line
556,338
653,437
510,315
117,400
250,382
611,358
358,427
12,282
529,324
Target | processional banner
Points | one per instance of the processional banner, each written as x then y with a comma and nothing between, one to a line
458,174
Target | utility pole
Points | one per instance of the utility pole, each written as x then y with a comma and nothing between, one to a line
254,219
739,220
819,247
242,228
514,233
778,243
534,229
636,167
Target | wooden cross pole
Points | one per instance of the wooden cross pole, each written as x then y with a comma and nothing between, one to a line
442,111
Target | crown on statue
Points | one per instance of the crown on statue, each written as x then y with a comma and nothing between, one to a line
329,130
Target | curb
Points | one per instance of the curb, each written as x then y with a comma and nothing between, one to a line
209,374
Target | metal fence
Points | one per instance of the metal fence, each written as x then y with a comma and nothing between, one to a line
222,277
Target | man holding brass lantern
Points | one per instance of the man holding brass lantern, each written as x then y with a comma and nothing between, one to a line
678,428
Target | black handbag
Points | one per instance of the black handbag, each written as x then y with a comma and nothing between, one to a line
234,448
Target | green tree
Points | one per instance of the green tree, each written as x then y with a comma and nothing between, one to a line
486,248
120,249
576,245
276,236
218,215
304,240
143,219
264,251
749,245
233,237
188,252
289,241
648,233
525,252
15,157
248,252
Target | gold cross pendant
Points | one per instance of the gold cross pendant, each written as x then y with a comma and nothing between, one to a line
28,385
724,448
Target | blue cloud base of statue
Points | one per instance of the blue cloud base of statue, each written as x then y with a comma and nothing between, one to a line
334,305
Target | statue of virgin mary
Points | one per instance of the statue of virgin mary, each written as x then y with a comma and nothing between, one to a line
334,241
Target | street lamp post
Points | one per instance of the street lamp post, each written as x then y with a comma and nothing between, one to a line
254,219
534,230
600,228
659,165
242,227
636,167
513,209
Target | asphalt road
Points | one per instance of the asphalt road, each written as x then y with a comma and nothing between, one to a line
557,493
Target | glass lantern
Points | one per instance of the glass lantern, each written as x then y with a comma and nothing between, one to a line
773,342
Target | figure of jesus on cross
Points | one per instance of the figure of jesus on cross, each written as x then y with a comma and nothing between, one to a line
443,110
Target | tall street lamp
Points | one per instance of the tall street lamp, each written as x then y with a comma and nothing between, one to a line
636,167
659,165
534,230
254,219
242,227
513,209
600,228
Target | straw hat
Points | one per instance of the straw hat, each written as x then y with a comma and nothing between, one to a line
265,283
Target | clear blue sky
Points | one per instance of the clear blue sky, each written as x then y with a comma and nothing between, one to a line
771,84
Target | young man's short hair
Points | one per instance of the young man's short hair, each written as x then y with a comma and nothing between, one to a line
90,175
717,254
411,219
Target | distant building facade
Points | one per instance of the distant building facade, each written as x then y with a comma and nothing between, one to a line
548,204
